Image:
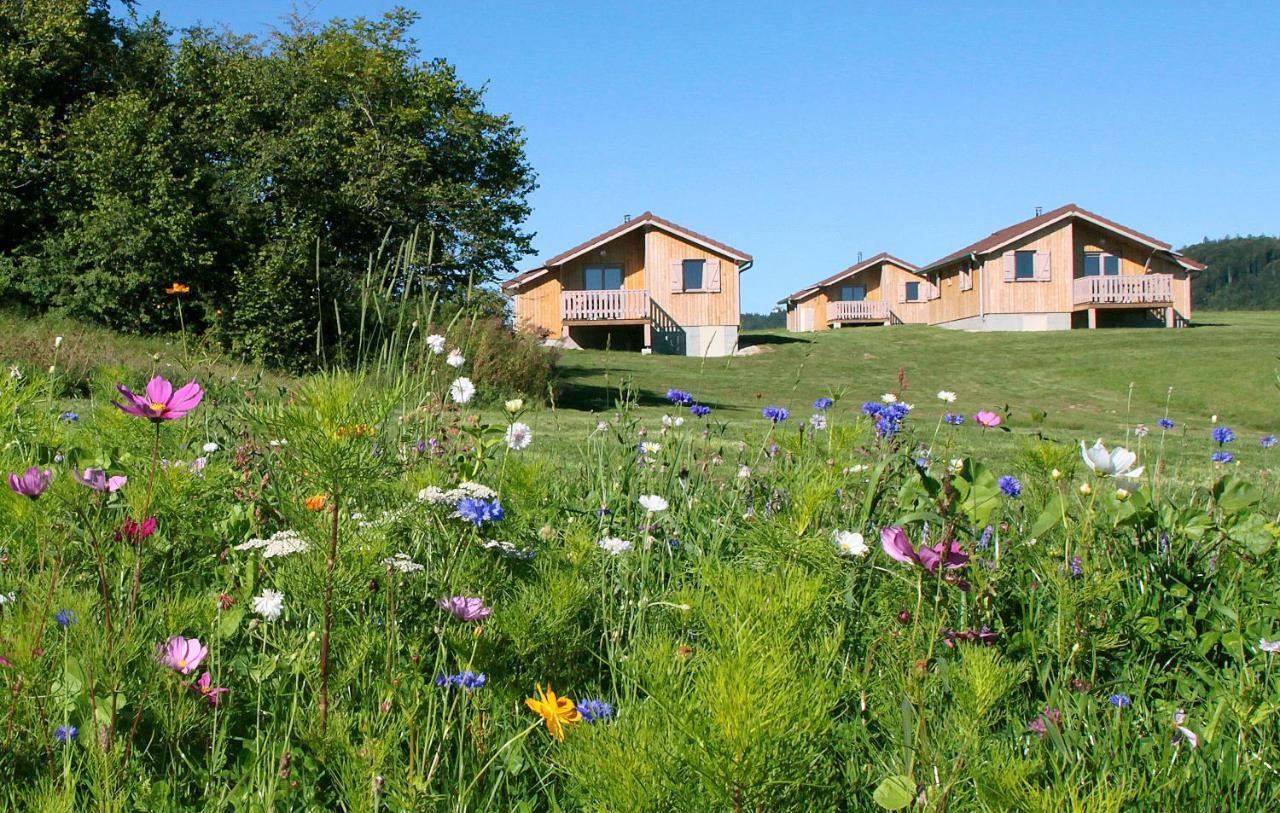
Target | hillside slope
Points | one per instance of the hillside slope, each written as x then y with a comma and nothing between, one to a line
1243,273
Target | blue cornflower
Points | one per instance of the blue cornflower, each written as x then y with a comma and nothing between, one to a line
1267,441
1120,701
1223,434
593,711
1222,457
479,511
466,680
66,733
70,417
1165,423
888,417
65,618
953,419
680,398
700,411
922,462
1010,485
776,414
823,404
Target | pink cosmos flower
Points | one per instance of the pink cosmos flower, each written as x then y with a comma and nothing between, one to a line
947,554
160,402
98,480
466,608
205,688
32,482
987,419
182,655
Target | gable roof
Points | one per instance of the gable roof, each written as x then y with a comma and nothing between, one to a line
849,272
646,220
1010,234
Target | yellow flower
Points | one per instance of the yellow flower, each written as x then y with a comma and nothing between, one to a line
177,288
557,711
317,502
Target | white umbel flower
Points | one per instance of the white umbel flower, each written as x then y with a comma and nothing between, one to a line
269,605
653,503
519,436
209,448
403,563
462,390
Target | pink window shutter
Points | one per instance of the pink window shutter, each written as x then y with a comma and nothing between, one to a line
902,292
1042,266
711,276
677,275
1010,266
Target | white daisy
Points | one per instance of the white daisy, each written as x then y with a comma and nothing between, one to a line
889,398
947,395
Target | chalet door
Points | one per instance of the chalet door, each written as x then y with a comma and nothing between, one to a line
805,320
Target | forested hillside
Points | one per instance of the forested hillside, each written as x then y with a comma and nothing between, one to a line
1243,273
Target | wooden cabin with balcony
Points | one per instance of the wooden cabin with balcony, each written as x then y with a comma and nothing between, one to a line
1067,268
647,284
883,290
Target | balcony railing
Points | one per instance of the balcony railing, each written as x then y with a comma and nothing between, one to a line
866,310
1130,289
604,306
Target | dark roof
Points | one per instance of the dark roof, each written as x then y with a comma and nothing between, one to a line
854,269
646,219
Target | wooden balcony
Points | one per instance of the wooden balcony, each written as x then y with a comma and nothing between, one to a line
617,307
865,311
1129,289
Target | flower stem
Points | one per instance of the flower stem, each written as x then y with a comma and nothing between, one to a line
330,565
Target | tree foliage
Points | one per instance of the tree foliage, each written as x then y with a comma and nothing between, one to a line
1243,273
261,172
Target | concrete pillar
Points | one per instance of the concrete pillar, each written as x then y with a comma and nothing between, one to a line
1169,317
1093,318
648,335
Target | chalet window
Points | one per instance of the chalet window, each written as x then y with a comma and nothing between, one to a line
1025,265
602,278
913,291
966,279
853,293
1097,263
693,273
695,276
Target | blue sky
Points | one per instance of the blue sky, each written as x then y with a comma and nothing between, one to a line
804,133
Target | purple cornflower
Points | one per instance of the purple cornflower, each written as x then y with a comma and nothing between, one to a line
593,711
823,404
1223,434
680,398
1010,485
1165,423
1222,457
1267,441
66,733
465,608
776,414
1120,701
953,419
32,482
699,410
464,680
479,511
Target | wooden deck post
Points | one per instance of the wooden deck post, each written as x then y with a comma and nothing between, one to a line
1093,318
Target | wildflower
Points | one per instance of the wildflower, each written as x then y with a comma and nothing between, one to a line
776,414
1117,463
1010,485
1182,732
1056,474
182,655
455,359
57,342
462,390
671,422
514,405
1077,566
594,711
1213,419
134,531
66,733
653,503
889,417
984,541
1086,489
31,483
8,598
402,563
602,426
436,342
556,711
850,543
478,511
465,608
953,419
823,404
1040,724
614,545
1268,646
205,688
1223,434
160,402
69,417
818,422
284,543
699,410
519,436
98,480
177,288
987,419
1165,423
946,554
1140,430
649,447
1120,701
464,680
1222,457
316,502
1267,441
947,395
15,372
226,601
889,398
985,636
680,398
509,550
65,618
269,605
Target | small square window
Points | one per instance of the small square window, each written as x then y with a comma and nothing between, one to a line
913,292
1025,265
693,274
1111,265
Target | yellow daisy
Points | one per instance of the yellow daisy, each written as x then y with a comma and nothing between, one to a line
557,711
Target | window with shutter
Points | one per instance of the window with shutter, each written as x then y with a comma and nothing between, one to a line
1042,266
677,275
966,279
1024,266
694,271
912,291
1010,266
711,277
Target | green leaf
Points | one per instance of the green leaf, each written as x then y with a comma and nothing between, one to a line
1049,517
230,622
1234,495
895,792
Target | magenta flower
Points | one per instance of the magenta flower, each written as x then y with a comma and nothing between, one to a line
182,655
948,554
466,608
98,480
987,419
134,531
205,688
31,483
160,402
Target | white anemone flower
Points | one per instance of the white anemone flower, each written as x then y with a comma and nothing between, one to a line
850,543
1117,463
462,390
653,503
269,605
519,436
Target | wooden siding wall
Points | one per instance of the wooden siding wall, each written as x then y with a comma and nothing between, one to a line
695,308
894,276
953,303
1030,296
537,305
814,304
627,251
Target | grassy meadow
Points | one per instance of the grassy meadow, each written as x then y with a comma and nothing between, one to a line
399,588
